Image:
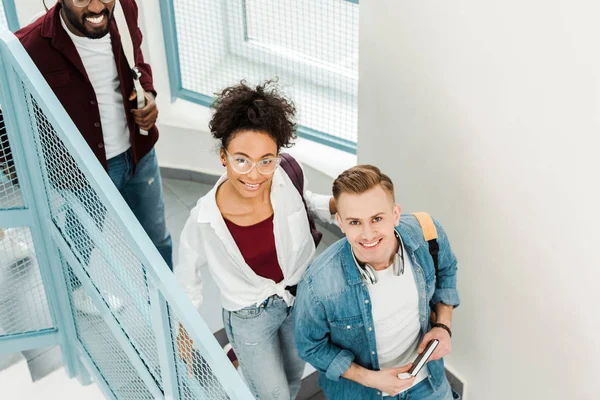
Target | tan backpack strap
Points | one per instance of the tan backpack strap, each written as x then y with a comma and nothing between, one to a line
427,225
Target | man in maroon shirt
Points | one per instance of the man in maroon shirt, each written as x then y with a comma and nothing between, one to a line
77,48
52,49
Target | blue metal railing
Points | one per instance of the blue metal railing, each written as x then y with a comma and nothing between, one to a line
10,12
89,248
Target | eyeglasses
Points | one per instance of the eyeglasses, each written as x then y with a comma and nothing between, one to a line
85,3
243,165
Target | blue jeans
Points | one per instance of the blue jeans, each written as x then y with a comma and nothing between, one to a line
143,193
424,391
263,340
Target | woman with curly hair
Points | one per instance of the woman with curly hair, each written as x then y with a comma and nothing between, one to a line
252,233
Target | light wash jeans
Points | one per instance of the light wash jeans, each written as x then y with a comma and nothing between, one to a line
263,340
424,391
143,193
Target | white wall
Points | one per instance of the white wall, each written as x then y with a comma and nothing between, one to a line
487,115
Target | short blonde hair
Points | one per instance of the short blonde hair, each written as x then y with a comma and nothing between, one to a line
360,179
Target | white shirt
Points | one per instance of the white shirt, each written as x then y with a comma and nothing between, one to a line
99,62
395,302
206,242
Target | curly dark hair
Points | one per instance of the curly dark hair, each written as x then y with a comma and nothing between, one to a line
264,109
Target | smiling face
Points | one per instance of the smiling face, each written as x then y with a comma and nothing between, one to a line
255,146
92,21
368,219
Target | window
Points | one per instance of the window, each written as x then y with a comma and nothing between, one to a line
311,46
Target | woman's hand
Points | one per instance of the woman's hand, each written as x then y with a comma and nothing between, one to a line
185,347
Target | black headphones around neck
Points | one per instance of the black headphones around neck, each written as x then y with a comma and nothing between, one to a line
369,274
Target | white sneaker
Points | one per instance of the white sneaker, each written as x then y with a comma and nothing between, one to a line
12,248
83,303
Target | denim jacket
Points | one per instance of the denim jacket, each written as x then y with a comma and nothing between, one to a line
333,320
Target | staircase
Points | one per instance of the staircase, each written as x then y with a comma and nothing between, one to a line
68,237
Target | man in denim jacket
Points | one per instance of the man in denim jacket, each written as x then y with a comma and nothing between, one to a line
363,308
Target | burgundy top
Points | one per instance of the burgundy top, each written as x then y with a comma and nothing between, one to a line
257,245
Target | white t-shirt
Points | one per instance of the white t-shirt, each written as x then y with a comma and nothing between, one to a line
395,302
99,62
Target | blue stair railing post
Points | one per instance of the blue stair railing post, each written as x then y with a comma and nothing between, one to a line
162,322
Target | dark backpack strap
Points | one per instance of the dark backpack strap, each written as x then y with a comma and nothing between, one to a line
294,171
292,168
434,249
430,235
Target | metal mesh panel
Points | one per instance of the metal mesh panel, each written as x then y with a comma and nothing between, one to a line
23,303
97,241
311,45
107,287
197,382
102,347
10,193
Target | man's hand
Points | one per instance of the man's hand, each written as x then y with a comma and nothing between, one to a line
388,382
443,349
145,117
185,349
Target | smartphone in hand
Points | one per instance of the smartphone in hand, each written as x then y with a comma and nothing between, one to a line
422,359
